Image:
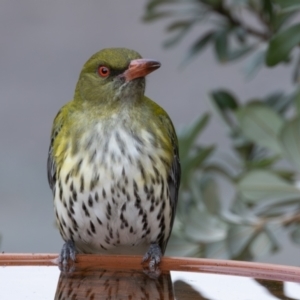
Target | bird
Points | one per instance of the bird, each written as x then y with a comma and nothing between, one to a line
113,162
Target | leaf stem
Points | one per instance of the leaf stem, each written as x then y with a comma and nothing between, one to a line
225,12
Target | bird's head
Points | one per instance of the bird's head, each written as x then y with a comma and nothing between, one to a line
114,74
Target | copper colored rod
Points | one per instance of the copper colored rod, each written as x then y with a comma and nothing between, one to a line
229,267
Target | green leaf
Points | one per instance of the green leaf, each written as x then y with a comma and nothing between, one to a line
189,134
262,163
255,5
263,185
199,45
268,7
296,98
239,237
274,99
182,27
219,169
290,140
287,175
287,3
279,102
176,38
282,18
263,244
273,211
179,25
296,72
240,209
210,194
282,44
212,2
179,246
292,9
233,218
255,63
240,34
156,15
239,2
233,55
217,250
221,45
193,161
295,234
224,100
242,146
204,227
261,125
153,4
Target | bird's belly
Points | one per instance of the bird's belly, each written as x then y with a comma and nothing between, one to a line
115,199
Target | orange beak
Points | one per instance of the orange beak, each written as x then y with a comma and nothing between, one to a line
140,68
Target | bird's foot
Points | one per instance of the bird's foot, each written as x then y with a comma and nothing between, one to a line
67,256
154,256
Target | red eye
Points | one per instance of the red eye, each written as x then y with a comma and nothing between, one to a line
103,71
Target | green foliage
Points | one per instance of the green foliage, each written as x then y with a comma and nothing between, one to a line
282,44
231,36
264,166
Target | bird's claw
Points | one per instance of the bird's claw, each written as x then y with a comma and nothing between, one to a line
67,257
154,256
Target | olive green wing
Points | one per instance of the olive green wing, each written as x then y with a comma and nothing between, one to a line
51,165
174,173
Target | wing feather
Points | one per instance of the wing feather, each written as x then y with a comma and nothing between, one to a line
51,165
174,175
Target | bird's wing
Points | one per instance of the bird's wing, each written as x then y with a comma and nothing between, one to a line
174,174
51,166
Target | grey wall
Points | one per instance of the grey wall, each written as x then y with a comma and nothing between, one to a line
43,47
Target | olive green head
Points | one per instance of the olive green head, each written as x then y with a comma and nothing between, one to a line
114,74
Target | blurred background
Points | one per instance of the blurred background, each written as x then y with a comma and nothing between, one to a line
43,47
